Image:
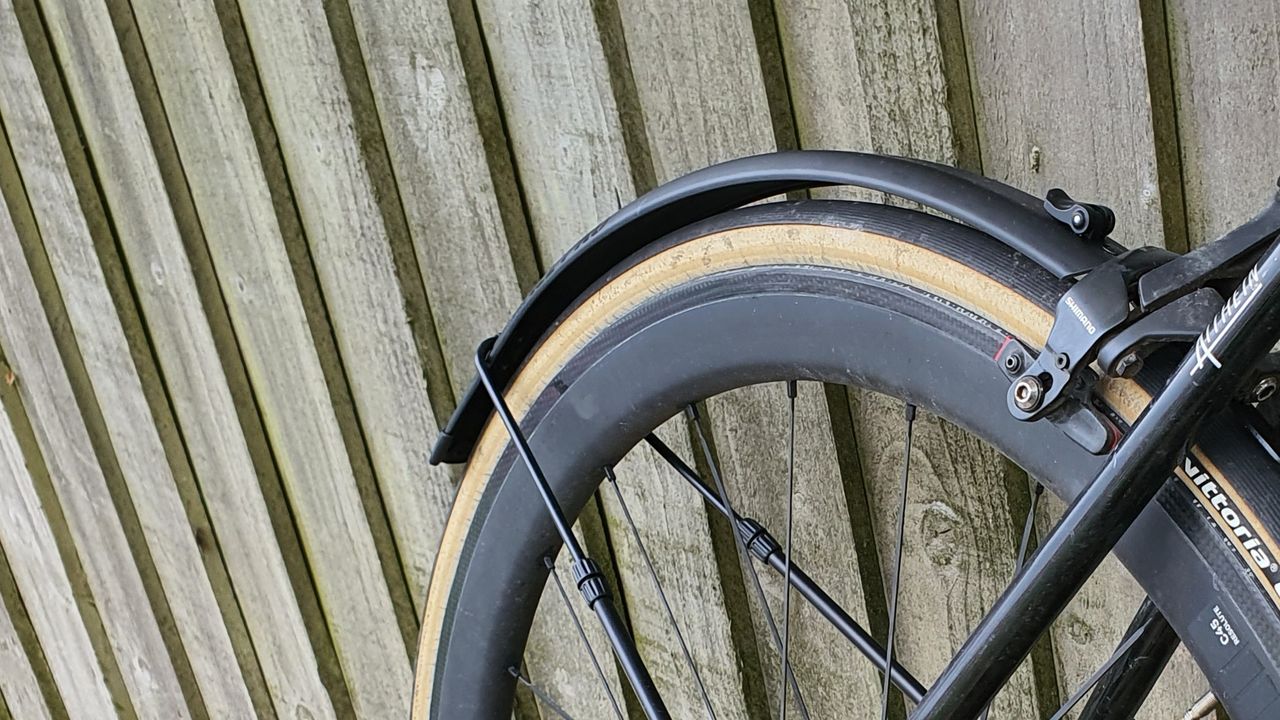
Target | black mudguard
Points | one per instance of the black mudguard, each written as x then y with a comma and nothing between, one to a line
1006,213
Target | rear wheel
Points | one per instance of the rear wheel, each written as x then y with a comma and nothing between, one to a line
833,295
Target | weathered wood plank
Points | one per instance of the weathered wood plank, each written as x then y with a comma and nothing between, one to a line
105,352
703,96
448,192
560,112
1226,68
549,70
752,439
1029,139
356,266
1093,624
1041,129
19,689
960,541
879,44
215,141
29,542
678,542
11,597
357,272
181,333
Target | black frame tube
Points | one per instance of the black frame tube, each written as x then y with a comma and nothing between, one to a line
1236,340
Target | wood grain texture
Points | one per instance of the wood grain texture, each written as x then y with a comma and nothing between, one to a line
960,540
212,132
1082,119
105,352
1226,73
32,554
687,569
703,95
181,334
447,190
875,110
355,264
752,440
19,689
550,71
99,540
1095,622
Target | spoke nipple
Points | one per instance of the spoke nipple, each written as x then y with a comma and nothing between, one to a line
691,412
791,389
608,473
548,562
909,411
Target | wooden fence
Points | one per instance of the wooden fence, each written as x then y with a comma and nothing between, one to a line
247,249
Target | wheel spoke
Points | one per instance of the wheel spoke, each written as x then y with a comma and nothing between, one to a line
1093,679
662,596
786,597
582,634
543,696
910,413
1028,529
1122,689
765,549
740,543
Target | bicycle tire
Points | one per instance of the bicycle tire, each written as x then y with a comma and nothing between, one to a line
829,271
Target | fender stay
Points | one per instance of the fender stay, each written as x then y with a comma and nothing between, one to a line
1012,216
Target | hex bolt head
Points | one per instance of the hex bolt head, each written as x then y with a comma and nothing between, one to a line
1265,389
1061,361
1027,393
1013,362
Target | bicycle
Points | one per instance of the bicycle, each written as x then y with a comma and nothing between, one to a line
1131,383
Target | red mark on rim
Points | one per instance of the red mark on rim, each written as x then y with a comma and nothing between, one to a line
1007,339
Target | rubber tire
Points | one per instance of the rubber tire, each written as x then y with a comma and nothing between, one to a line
699,312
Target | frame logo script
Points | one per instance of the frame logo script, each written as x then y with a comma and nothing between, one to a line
1242,298
1229,517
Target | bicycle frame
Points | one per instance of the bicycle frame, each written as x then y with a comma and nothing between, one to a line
1234,342
1237,339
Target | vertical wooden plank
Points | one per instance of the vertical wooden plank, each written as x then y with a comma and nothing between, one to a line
961,537
550,73
1226,72
105,352
679,541
1030,138
29,543
447,189
18,685
1082,120
931,117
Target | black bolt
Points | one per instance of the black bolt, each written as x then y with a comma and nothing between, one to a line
1061,361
